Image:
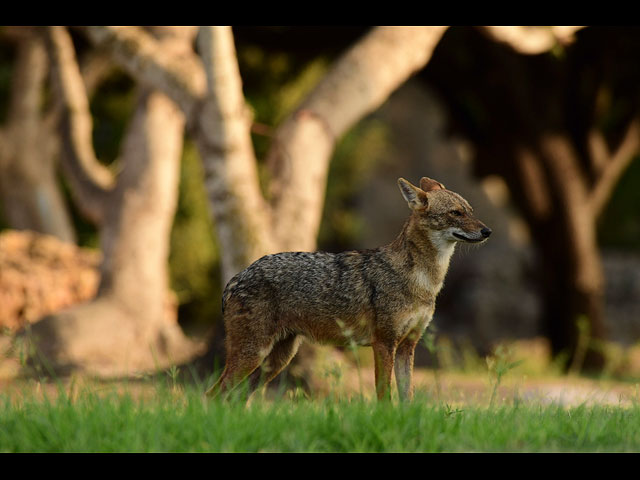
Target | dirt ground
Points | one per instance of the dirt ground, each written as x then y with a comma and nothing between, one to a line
460,388
337,376
454,389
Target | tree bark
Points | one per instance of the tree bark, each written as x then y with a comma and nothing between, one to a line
241,215
180,77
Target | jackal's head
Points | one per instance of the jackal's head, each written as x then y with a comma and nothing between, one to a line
443,214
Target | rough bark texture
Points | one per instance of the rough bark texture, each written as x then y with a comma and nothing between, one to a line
223,136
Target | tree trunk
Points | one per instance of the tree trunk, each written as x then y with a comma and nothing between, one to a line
572,312
135,235
558,160
552,195
581,278
357,84
240,213
131,324
29,188
249,226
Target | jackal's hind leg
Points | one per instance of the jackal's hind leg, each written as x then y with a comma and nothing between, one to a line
242,360
281,354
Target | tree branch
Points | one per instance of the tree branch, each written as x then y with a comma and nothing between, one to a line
530,40
90,180
615,167
181,78
533,184
358,83
567,181
96,66
210,96
598,152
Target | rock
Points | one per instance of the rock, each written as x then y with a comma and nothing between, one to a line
622,296
40,274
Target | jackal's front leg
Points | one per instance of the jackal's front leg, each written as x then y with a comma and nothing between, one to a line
404,366
383,355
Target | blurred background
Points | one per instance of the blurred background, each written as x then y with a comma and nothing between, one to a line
538,128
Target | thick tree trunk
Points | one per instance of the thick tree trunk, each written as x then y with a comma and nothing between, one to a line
581,279
561,165
131,324
552,195
572,312
135,235
29,189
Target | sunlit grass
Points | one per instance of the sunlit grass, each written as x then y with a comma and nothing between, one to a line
484,404
179,419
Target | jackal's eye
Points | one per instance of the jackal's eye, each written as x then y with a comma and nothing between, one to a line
457,213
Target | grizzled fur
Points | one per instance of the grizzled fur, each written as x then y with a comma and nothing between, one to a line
384,297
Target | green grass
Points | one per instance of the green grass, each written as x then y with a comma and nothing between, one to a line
181,421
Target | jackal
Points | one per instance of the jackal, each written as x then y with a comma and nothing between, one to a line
383,297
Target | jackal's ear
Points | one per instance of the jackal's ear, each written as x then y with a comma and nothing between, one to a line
428,184
414,196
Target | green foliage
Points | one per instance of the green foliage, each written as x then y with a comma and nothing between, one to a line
274,84
619,224
354,159
7,59
194,256
499,364
111,107
173,421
